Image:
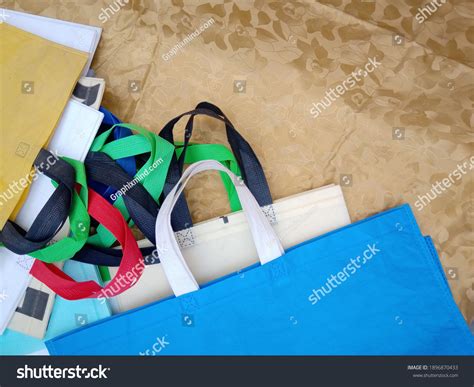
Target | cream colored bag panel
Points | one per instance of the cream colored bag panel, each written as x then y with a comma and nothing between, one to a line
224,245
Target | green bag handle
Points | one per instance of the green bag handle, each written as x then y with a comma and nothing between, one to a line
218,152
79,220
121,148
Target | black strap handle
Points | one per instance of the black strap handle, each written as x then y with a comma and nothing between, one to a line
111,257
54,213
140,204
252,171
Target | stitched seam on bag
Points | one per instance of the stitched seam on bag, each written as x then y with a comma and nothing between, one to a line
269,212
189,304
185,238
278,270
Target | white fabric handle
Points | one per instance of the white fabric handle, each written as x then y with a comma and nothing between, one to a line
175,267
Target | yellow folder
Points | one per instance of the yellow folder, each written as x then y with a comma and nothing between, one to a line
37,77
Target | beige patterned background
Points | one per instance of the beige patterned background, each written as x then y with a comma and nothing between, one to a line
289,54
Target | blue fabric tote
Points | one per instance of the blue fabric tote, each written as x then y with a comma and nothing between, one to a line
375,287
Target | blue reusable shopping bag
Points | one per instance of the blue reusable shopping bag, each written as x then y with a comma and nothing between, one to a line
375,287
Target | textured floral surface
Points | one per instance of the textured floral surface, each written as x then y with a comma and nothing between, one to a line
289,53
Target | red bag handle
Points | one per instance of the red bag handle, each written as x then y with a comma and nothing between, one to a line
130,269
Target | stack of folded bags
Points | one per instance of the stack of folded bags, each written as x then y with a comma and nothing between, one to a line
291,276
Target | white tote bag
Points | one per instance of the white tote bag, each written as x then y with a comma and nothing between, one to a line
295,219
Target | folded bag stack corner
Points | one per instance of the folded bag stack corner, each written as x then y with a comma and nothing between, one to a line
45,55
72,137
374,287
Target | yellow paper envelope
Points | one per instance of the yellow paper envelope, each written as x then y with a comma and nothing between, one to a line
36,81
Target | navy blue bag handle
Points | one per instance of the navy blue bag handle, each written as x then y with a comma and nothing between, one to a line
52,216
141,206
111,257
252,171
127,163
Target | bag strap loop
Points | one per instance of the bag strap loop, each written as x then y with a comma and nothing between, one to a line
130,269
252,171
175,267
53,215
